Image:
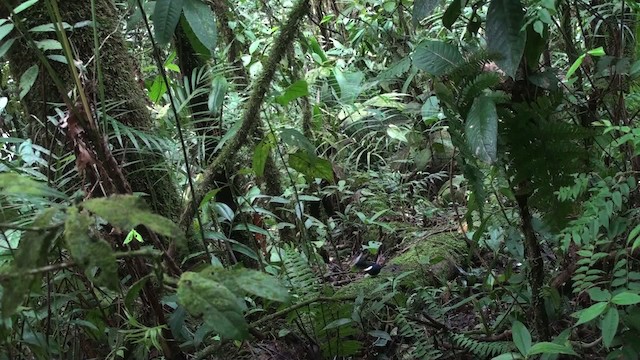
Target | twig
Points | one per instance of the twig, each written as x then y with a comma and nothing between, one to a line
69,264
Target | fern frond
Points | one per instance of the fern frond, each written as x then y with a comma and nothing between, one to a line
481,349
298,272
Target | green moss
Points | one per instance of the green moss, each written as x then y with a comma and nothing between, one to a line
429,256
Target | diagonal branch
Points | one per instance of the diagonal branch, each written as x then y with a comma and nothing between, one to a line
251,117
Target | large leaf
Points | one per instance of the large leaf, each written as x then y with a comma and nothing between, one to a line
436,57
550,348
202,22
481,129
165,19
609,326
591,312
261,153
32,253
521,337
27,79
422,9
293,137
452,13
311,165
20,185
221,309
260,284
350,84
505,35
127,212
296,90
219,87
88,251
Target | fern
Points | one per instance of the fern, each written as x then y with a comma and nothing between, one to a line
421,347
481,349
474,88
298,273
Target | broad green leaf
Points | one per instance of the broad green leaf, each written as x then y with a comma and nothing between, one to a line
296,90
452,13
398,133
24,6
202,21
158,89
430,110
521,337
591,312
50,27
574,67
49,44
90,251
550,348
481,129
422,159
27,79
508,356
5,30
422,9
505,35
598,294
199,49
437,57
20,185
261,153
597,52
633,235
224,211
293,137
260,284
609,325
337,323
32,253
221,309
134,292
311,165
626,298
133,235
128,211
165,19
4,48
219,87
350,84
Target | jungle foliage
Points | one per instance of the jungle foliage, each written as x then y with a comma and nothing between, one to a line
321,179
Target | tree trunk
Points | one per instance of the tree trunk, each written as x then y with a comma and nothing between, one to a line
147,172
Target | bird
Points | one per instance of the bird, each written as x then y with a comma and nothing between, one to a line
373,269
368,267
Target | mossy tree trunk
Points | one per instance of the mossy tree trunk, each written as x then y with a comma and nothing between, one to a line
146,171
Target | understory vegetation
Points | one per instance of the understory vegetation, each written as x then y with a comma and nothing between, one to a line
319,179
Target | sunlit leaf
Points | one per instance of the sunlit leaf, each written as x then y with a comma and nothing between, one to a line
127,212
296,90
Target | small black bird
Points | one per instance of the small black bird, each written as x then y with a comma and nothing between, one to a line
369,267
373,269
